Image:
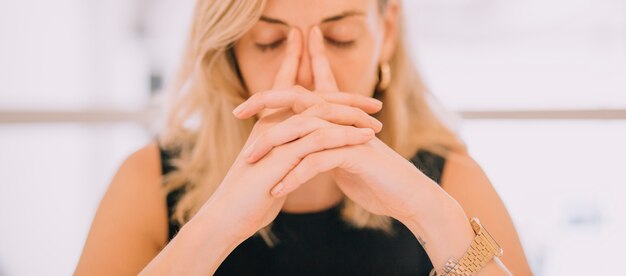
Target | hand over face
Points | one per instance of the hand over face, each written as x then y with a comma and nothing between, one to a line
332,131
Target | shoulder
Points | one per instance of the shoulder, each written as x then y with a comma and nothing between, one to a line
140,171
138,183
461,165
130,225
144,162
466,181
461,170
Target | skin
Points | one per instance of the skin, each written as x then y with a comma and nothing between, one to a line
309,137
355,37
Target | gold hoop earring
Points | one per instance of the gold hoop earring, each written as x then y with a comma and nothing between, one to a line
384,77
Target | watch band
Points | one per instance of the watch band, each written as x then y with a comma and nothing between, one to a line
482,249
449,266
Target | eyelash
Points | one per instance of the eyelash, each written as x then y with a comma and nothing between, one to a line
271,46
274,45
340,44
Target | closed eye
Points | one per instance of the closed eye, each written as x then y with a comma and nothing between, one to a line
340,44
269,46
276,44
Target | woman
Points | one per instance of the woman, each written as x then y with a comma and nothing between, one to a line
310,173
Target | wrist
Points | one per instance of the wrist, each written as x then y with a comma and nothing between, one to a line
433,207
202,230
207,220
206,244
445,221
444,230
197,249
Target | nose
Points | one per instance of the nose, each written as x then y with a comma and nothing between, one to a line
304,77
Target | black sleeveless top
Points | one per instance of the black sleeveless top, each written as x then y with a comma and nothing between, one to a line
320,243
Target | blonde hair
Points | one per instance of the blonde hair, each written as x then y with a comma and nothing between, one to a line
207,138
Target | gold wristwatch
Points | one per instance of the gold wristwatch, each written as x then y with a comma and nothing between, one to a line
482,249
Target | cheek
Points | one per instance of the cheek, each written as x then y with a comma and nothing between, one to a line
354,69
257,69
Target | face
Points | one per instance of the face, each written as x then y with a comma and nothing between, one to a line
357,38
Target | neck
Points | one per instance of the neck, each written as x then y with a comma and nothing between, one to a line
317,194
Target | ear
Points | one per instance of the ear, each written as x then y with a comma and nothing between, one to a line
391,26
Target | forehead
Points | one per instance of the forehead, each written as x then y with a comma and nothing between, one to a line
306,13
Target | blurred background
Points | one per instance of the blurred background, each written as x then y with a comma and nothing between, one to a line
539,87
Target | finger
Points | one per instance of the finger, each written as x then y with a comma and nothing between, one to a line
310,147
367,104
286,76
295,127
300,99
312,165
296,98
301,125
344,115
322,73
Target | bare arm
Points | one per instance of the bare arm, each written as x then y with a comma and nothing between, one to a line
445,231
198,249
130,225
466,182
130,228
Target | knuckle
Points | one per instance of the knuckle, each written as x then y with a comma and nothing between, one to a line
323,138
309,122
316,99
271,139
346,134
260,140
299,89
355,112
285,154
297,176
299,106
300,124
312,163
299,121
327,137
327,109
317,123
319,137
314,110
359,100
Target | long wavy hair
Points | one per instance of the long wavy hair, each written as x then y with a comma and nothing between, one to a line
200,127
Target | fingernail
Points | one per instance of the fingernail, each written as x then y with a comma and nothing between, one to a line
317,31
376,102
290,35
239,109
279,188
366,131
316,41
377,123
248,151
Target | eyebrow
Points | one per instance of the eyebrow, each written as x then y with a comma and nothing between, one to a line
325,20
